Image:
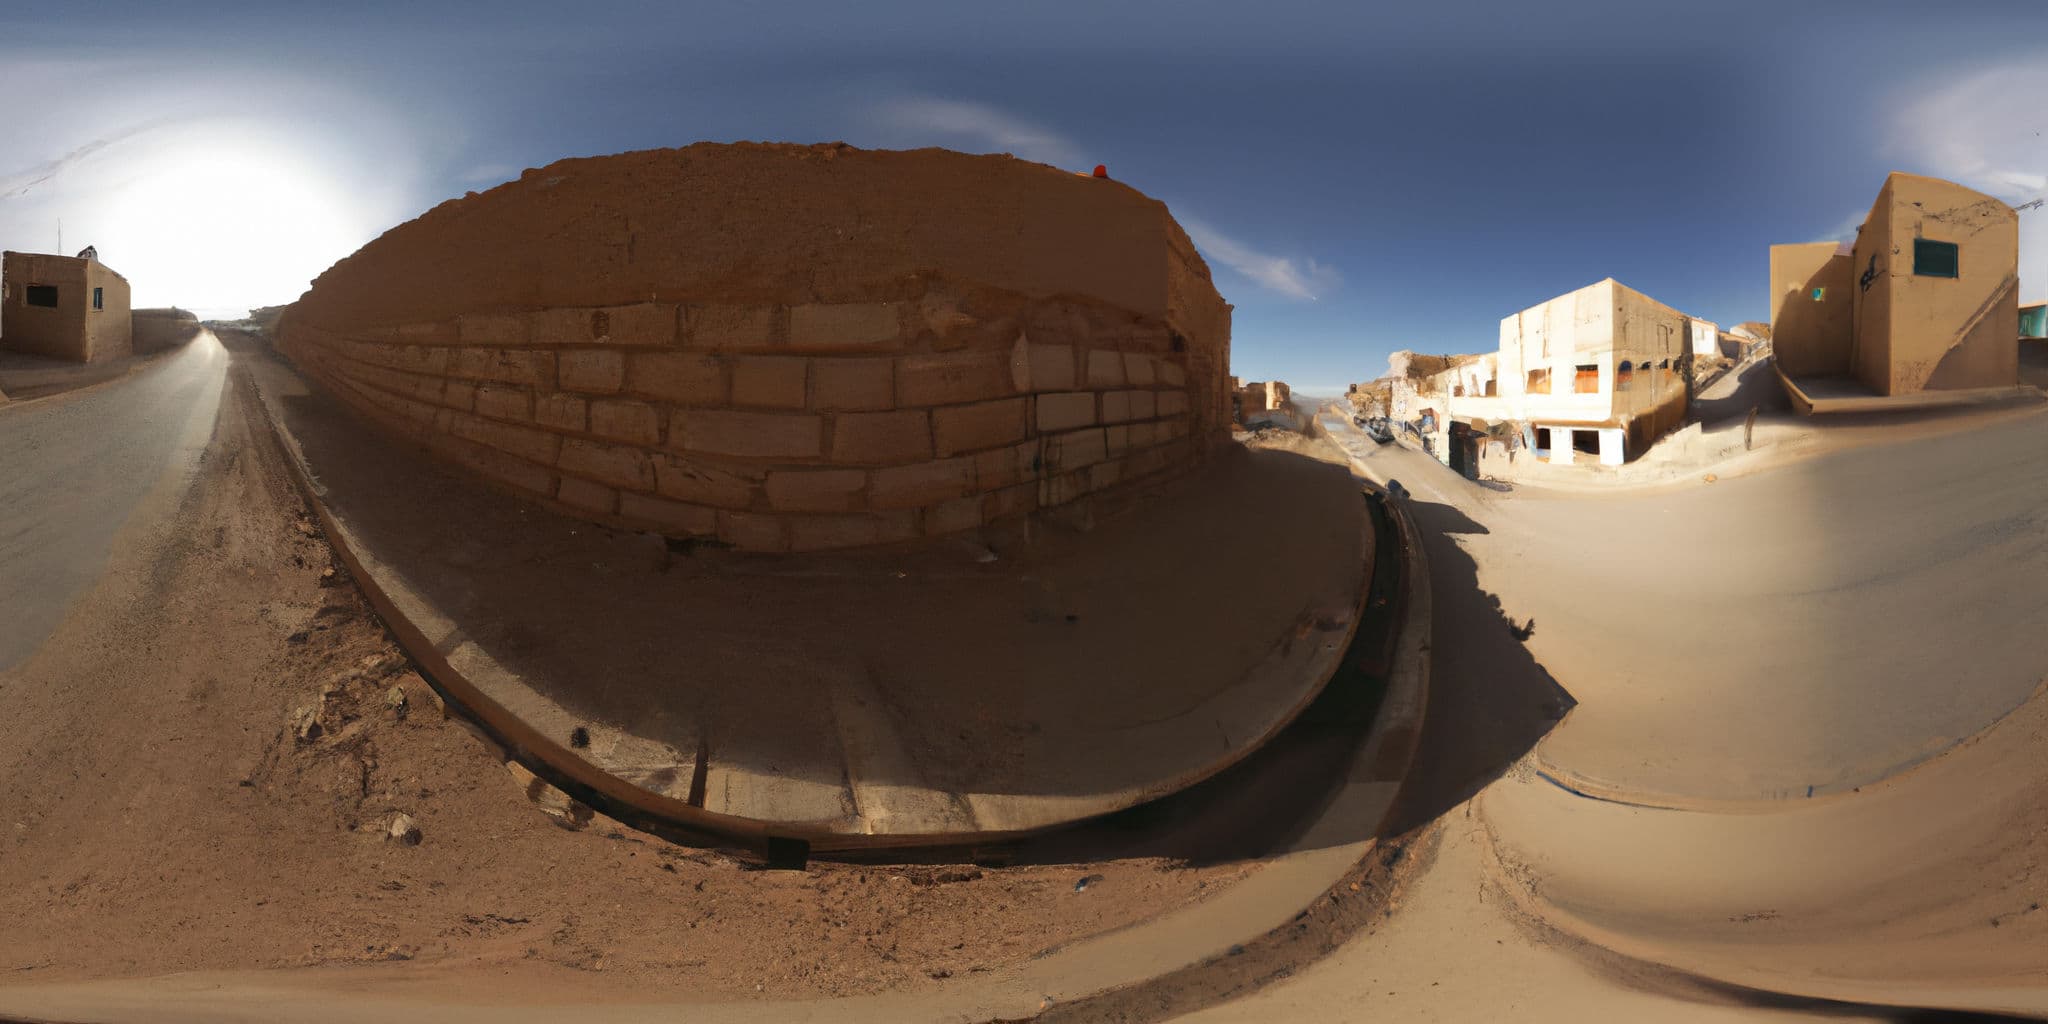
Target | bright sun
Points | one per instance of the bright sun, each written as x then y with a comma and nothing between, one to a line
221,226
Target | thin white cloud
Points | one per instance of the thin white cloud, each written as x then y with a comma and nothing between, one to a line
1305,280
1987,129
977,126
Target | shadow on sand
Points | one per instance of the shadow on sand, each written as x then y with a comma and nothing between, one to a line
1489,699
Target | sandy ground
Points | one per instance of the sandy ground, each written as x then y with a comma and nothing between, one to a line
1920,887
161,813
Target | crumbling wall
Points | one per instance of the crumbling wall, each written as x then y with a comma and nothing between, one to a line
157,329
786,348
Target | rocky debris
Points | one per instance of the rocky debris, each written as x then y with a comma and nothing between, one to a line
306,725
404,830
394,700
565,810
1086,881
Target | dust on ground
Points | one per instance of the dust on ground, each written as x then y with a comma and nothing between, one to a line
203,764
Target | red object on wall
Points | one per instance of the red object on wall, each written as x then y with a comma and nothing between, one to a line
1101,170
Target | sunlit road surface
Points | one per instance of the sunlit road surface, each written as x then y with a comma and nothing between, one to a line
1796,632
76,468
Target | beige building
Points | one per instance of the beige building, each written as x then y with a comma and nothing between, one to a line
1595,375
63,307
1926,299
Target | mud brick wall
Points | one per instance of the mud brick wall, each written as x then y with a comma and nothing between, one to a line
785,347
782,428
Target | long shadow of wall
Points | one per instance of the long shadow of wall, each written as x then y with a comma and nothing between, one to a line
1489,699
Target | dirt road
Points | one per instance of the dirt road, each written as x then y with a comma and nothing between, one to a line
1920,888
79,468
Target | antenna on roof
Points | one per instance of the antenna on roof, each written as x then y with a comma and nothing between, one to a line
2024,207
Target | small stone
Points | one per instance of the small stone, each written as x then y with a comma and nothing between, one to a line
306,724
404,830
1086,881
394,699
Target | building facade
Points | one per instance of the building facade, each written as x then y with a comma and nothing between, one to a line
63,307
1925,299
1595,375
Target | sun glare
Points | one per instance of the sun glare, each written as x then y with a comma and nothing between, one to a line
217,227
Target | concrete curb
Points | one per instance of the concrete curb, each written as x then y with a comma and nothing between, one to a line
1262,907
466,676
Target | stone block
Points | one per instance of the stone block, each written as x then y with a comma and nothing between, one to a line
1104,474
1105,369
769,382
969,428
1172,374
921,483
670,517
1065,411
562,412
587,496
815,490
1009,502
881,438
1075,449
853,384
685,378
1116,406
1144,405
504,366
596,371
702,482
622,420
821,533
753,435
504,403
1173,403
643,324
753,531
1117,440
491,329
952,378
459,394
999,467
617,465
527,443
494,464
821,327
1052,367
1139,370
953,516
729,328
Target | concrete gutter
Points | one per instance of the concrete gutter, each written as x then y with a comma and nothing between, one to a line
1262,907
484,691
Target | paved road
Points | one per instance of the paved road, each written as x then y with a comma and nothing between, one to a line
74,469
1804,630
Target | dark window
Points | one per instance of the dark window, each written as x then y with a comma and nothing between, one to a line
98,300
1624,375
1586,381
1935,259
1587,441
1493,388
42,295
1539,382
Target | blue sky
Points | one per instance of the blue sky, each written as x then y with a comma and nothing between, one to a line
1362,178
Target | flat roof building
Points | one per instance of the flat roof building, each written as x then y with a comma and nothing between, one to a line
63,307
1926,299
